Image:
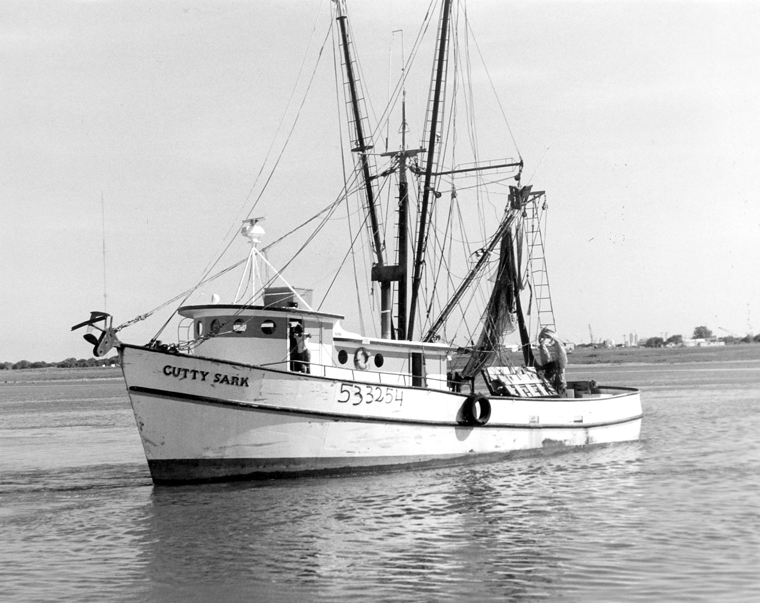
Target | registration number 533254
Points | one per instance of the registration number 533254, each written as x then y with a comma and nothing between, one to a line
356,394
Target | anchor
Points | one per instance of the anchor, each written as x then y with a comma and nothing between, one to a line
103,342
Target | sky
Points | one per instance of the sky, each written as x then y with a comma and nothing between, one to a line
144,128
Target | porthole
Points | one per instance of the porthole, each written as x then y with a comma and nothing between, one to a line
379,360
198,328
343,356
215,326
268,327
239,326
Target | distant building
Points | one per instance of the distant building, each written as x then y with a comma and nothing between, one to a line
702,343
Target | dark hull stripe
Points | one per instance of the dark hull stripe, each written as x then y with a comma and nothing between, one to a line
194,471
244,406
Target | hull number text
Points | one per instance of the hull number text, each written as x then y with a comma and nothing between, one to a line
354,394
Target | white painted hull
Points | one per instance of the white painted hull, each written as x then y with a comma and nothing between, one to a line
205,420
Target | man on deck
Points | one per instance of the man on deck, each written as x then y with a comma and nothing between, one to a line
552,359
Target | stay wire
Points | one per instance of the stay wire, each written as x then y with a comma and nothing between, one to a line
338,271
493,87
274,168
233,227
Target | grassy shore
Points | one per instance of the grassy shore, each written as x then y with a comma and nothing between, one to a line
587,356
58,374
583,356
729,353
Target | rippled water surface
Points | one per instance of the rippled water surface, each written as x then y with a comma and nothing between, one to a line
674,517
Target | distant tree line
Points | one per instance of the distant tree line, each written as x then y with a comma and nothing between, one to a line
699,333
68,363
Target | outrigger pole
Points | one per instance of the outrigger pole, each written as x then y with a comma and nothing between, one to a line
440,72
362,147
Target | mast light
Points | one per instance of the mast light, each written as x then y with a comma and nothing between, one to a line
252,230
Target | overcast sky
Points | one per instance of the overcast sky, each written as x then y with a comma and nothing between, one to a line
641,120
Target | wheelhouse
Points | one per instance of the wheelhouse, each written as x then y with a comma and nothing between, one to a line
265,336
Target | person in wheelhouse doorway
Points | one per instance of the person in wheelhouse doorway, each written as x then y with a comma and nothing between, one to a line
300,356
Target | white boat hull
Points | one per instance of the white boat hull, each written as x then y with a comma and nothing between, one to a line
206,420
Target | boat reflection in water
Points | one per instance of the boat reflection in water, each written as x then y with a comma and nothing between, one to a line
480,532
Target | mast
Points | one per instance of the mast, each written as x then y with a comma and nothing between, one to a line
400,272
440,70
403,219
362,147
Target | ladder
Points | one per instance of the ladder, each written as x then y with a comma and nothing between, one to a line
534,225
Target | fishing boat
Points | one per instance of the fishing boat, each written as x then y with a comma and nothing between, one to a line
269,386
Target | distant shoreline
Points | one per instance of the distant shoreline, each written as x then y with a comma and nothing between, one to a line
728,353
35,375
579,357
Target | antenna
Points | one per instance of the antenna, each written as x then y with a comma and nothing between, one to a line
390,76
103,224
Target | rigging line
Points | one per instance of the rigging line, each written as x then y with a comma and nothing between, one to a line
309,240
184,293
435,183
546,150
454,286
471,333
337,272
407,67
475,291
290,101
468,249
189,292
490,80
442,247
292,129
390,76
467,75
233,227
394,96
452,128
484,183
287,140
342,196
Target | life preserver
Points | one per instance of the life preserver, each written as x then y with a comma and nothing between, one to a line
476,410
361,358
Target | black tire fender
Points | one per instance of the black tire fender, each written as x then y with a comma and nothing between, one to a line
476,410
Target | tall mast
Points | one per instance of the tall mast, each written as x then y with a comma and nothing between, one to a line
400,272
403,218
440,72
362,147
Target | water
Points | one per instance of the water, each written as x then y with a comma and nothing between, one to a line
674,517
